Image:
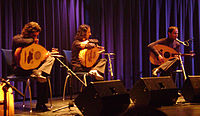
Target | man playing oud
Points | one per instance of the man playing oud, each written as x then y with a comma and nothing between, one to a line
167,67
82,42
28,37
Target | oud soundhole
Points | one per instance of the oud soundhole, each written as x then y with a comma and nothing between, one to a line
166,54
37,55
30,57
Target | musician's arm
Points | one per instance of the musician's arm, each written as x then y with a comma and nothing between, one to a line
96,41
90,45
87,45
153,49
25,41
18,41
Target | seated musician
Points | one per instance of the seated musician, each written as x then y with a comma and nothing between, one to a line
167,67
82,42
27,37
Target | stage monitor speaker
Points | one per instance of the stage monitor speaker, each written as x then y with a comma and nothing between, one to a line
154,91
103,98
191,89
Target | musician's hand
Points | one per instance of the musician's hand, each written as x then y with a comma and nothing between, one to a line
47,55
160,58
84,43
176,56
100,47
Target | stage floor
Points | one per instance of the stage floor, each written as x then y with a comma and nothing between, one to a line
180,109
58,103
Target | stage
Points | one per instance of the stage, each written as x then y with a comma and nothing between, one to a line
57,103
181,108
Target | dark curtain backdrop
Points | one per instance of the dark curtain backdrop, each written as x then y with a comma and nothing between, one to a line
59,20
124,27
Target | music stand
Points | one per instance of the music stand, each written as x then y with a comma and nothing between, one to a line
70,74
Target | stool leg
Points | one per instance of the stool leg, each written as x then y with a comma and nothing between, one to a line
27,83
30,96
81,88
85,82
29,87
85,79
50,90
65,86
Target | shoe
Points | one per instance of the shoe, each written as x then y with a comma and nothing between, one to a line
155,71
45,108
96,75
179,94
99,77
42,79
41,108
38,74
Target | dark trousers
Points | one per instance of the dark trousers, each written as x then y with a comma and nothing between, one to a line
170,65
169,68
100,66
42,93
42,88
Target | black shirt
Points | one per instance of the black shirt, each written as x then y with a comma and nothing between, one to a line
20,41
76,48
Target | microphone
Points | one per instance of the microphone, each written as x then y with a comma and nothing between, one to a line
184,43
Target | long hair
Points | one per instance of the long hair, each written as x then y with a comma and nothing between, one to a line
81,33
30,28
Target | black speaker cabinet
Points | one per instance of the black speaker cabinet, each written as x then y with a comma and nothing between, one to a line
154,91
103,98
191,89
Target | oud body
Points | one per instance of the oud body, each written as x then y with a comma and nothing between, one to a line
31,56
88,57
166,52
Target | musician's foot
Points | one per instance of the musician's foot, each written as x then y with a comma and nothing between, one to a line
155,71
99,77
96,75
38,74
41,108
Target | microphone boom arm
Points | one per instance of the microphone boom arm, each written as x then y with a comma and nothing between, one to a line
185,43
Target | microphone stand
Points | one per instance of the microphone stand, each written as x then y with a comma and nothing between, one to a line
110,64
15,89
5,90
182,66
70,73
185,43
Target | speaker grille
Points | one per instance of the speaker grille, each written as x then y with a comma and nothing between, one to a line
191,89
154,91
103,98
